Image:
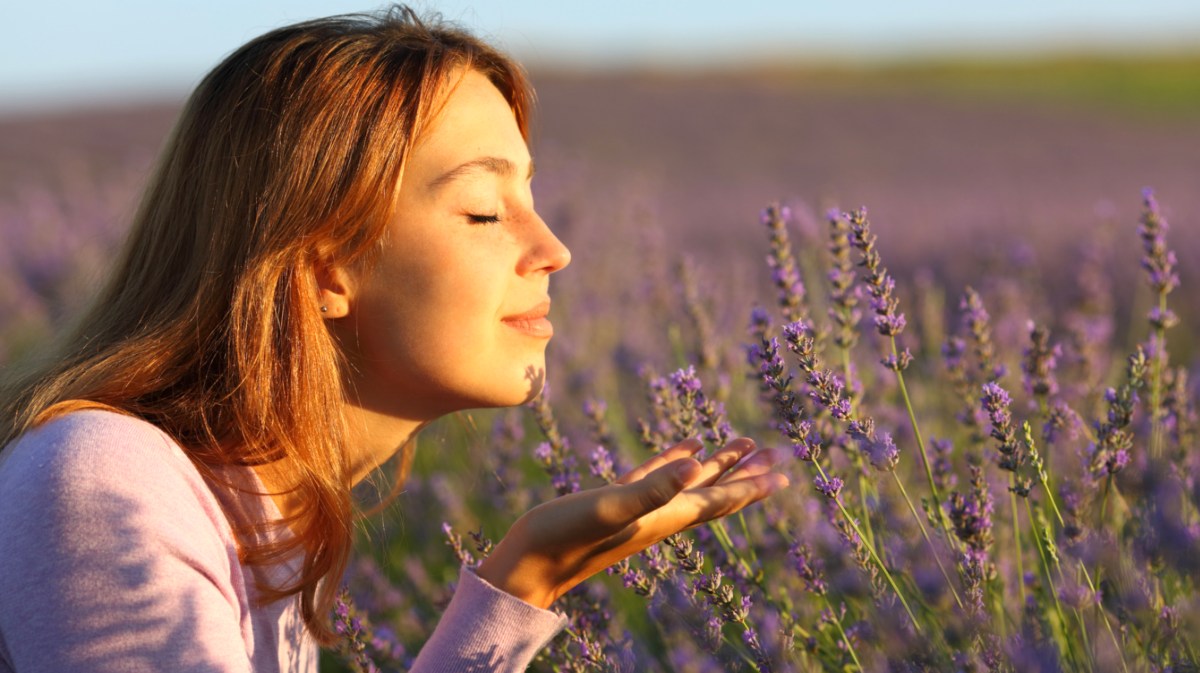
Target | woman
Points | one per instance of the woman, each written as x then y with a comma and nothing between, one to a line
338,247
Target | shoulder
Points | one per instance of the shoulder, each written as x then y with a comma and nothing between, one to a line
93,473
94,452
112,540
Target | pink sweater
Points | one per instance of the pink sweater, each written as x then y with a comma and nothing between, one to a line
115,555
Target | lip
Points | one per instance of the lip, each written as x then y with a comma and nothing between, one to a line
532,322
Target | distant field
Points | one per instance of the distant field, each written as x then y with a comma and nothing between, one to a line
1159,86
965,166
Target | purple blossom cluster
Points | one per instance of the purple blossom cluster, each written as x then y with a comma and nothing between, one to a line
882,286
781,261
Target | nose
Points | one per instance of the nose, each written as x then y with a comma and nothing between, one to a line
546,254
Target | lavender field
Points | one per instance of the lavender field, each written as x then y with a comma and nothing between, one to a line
955,305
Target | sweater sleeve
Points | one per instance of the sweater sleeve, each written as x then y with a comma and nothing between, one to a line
116,557
486,629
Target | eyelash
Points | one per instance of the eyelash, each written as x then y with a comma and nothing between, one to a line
483,219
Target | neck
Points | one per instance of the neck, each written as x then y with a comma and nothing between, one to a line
372,439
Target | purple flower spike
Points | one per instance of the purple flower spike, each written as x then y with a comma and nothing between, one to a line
810,568
830,488
1039,363
884,454
996,401
1012,453
1158,261
785,273
844,294
685,380
600,464
888,320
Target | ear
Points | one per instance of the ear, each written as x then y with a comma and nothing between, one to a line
335,288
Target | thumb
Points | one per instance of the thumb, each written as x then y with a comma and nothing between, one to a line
655,489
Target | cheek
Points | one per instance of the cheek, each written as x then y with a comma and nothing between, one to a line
432,317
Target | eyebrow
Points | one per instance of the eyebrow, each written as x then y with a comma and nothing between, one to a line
497,165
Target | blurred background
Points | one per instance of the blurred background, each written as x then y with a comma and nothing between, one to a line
987,140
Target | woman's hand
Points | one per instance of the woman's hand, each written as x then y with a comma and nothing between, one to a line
558,544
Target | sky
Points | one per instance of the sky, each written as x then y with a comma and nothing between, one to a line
71,51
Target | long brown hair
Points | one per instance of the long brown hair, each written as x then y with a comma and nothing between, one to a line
288,153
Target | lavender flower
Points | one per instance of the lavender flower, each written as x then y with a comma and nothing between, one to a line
595,411
555,453
977,322
1040,360
809,568
693,403
1158,261
1180,408
884,303
943,468
1012,454
972,518
830,488
859,552
972,513
698,313
355,632
789,416
782,262
826,388
456,543
843,293
685,387
1061,423
1110,452
600,464
760,326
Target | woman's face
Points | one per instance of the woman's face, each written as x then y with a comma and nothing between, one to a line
451,315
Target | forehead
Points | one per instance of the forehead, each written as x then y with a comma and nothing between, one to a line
474,120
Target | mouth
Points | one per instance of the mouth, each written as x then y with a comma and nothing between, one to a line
532,322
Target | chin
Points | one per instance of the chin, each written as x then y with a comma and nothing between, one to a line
531,384
519,390
509,388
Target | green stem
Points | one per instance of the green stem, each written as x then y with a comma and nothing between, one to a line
722,535
1079,616
1108,482
746,534
1045,563
1016,523
871,550
925,533
837,621
1156,374
1104,616
865,487
912,417
862,498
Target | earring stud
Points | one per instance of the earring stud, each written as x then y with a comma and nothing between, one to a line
324,309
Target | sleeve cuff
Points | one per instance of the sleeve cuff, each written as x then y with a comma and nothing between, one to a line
487,629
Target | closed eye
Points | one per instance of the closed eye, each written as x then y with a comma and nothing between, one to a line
483,219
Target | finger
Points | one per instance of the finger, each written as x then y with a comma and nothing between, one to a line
742,493
684,449
723,460
696,506
760,462
626,503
